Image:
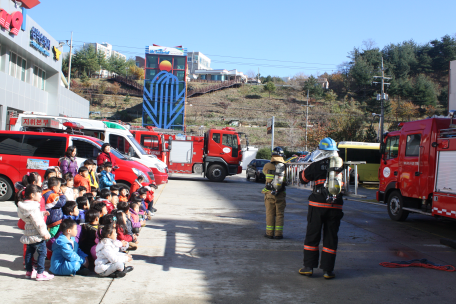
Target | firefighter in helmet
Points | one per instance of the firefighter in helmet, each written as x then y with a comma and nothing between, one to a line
274,194
325,208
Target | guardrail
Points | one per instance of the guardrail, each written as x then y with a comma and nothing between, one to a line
293,170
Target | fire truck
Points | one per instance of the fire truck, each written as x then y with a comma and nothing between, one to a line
417,169
216,154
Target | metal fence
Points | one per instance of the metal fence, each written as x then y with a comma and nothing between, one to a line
293,170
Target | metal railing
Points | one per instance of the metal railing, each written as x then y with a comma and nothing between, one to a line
293,170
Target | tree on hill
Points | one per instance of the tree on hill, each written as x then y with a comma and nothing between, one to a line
315,89
269,87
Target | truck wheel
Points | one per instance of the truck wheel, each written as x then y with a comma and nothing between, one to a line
6,189
395,205
216,173
123,185
257,178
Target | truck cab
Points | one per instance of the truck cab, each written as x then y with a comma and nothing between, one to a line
408,165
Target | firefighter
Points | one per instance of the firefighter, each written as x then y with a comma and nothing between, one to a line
325,208
274,194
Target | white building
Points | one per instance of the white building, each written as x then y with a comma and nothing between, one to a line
105,48
197,61
31,69
221,75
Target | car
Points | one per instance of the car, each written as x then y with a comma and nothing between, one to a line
255,169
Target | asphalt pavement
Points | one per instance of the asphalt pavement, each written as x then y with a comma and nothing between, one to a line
206,245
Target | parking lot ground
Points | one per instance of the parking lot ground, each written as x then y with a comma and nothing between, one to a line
206,245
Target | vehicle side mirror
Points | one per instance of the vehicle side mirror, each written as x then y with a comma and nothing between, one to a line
170,144
382,148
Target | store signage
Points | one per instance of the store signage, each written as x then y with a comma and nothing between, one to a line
39,41
162,50
11,23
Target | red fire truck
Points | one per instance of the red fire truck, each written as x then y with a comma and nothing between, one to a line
417,169
216,154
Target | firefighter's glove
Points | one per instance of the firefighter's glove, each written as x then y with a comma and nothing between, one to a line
269,186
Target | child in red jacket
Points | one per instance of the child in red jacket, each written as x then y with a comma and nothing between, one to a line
123,234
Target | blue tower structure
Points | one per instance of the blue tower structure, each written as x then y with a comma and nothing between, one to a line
165,87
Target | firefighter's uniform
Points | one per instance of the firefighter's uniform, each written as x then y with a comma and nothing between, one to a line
275,204
321,215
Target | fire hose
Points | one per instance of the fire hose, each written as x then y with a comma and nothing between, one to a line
418,263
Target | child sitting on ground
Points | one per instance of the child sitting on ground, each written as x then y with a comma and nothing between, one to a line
47,175
106,198
35,234
136,222
146,207
69,193
100,207
131,225
107,178
123,194
81,179
90,199
114,189
83,206
71,211
123,231
89,233
67,258
110,262
95,192
54,200
143,212
136,185
81,191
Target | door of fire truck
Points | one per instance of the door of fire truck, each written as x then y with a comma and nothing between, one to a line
223,145
388,172
415,153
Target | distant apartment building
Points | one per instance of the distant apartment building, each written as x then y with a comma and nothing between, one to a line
105,48
140,62
197,61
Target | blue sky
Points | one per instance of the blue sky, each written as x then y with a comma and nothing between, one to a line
313,36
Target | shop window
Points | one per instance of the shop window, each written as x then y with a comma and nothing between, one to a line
150,73
152,61
18,66
180,75
39,78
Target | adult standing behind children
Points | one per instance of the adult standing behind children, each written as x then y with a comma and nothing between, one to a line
105,156
68,162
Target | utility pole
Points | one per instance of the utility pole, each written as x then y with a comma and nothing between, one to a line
382,97
258,75
69,65
272,142
307,115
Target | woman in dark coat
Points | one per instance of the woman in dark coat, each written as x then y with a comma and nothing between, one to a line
68,162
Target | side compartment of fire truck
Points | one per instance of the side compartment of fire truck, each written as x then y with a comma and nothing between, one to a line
444,197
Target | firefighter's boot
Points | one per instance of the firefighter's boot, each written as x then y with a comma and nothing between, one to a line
306,271
329,275
268,236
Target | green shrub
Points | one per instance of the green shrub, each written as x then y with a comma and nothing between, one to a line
264,153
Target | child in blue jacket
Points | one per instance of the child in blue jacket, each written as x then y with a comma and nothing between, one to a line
67,258
54,201
107,178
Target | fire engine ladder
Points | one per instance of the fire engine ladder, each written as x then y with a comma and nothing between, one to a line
447,133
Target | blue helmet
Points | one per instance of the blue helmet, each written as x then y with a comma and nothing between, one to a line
328,144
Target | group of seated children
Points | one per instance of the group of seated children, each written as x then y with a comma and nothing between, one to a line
79,227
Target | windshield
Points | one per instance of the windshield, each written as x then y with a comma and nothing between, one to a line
113,151
262,162
137,145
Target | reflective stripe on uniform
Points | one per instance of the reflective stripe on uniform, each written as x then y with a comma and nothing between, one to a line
311,248
325,205
320,181
304,177
278,227
326,249
269,227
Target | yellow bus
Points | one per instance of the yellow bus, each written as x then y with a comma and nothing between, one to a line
362,151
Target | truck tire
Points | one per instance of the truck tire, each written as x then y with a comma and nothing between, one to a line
123,185
257,177
6,189
216,173
395,206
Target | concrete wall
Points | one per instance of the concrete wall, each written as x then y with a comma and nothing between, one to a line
21,94
452,86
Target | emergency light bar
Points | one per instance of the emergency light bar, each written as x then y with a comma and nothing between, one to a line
39,122
73,125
